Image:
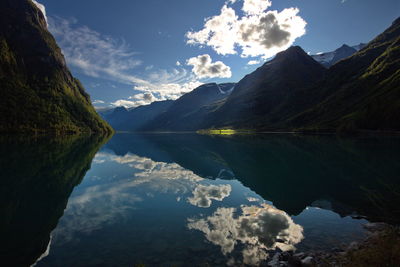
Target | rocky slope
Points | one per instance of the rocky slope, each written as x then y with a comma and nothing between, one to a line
38,93
361,92
189,111
260,98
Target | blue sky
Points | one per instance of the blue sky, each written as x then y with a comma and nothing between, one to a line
126,52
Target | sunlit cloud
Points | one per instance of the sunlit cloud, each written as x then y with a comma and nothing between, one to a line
136,100
165,85
94,54
253,62
125,103
259,32
255,7
98,102
104,57
203,67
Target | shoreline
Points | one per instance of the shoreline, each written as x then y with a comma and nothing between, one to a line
380,247
361,133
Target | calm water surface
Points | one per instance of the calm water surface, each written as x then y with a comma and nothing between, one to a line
191,200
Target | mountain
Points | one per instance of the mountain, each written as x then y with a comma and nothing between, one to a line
330,58
259,98
294,92
188,111
361,92
38,92
122,119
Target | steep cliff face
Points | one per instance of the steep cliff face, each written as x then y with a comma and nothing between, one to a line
37,91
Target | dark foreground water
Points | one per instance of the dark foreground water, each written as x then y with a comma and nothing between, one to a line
190,200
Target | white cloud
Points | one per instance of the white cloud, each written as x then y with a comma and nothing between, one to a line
136,100
93,54
103,57
42,8
253,62
203,67
125,103
259,32
178,63
254,7
169,84
219,32
148,96
97,102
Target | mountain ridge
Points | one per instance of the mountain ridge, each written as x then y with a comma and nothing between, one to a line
362,91
187,112
327,59
266,89
294,92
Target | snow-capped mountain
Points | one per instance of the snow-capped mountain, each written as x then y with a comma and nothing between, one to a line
359,46
329,58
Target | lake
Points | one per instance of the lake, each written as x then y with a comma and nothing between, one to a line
190,200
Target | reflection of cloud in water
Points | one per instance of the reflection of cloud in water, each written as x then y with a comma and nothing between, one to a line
107,203
203,194
165,177
98,161
253,199
258,228
96,206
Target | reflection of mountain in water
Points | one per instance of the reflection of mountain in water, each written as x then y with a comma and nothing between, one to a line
190,151
36,180
356,176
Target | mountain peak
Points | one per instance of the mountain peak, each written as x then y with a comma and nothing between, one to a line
344,46
293,55
290,52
